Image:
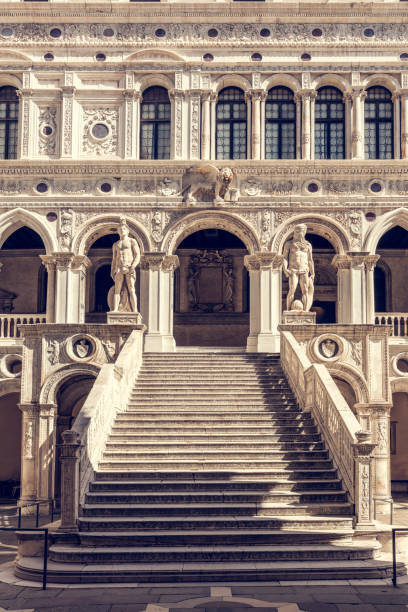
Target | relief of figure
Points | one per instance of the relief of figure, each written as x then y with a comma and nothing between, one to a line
126,256
192,286
206,184
228,288
298,266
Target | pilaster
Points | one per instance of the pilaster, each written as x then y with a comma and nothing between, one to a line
67,119
177,101
364,484
69,457
132,123
195,124
404,124
29,452
206,125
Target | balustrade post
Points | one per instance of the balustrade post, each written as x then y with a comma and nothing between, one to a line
363,480
69,457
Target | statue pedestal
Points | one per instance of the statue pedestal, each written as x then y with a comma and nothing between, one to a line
298,317
123,318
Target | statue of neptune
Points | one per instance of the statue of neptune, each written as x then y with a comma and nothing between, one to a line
126,256
298,266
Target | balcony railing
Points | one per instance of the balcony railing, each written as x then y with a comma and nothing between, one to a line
9,323
397,320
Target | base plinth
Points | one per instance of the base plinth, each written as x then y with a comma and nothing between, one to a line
123,318
298,317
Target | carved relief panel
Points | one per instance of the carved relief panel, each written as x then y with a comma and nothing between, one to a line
210,282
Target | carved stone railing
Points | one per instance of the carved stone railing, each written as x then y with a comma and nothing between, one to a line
84,444
9,323
397,320
349,447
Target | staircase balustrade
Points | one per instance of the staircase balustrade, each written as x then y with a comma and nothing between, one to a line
9,323
84,444
350,447
397,320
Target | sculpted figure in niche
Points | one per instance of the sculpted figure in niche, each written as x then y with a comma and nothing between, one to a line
298,266
126,256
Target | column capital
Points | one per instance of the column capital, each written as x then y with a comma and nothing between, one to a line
306,94
131,94
159,261
397,95
263,260
354,260
207,95
176,93
30,409
65,261
364,446
195,93
24,93
358,91
256,94
68,90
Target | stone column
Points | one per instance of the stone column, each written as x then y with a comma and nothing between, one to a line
351,287
298,100
195,124
347,98
70,455
177,99
213,111
50,263
67,114
370,262
382,464
206,126
248,100
256,96
358,96
25,123
69,279
396,98
265,305
29,454
132,123
404,124
308,96
156,300
364,485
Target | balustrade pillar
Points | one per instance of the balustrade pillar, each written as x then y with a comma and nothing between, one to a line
265,284
358,96
206,126
69,457
363,480
156,300
404,125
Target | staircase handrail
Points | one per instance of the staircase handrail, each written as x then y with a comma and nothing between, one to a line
87,439
349,446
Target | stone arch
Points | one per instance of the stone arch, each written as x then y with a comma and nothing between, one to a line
353,377
12,220
206,220
331,80
231,80
10,385
49,389
14,56
385,269
153,55
10,79
382,80
281,80
151,80
383,225
317,224
96,227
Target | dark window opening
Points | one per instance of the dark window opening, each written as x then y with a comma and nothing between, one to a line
155,124
329,124
378,124
8,122
280,124
231,124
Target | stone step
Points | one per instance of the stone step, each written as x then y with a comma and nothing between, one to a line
286,525
215,475
183,497
210,454
210,444
119,486
30,568
206,554
206,537
217,464
204,379
143,436
281,418
214,509
130,428
231,391
231,407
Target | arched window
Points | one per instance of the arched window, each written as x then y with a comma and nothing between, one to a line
155,116
329,124
8,122
280,124
378,132
231,124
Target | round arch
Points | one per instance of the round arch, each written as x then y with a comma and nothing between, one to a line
10,385
49,390
13,220
207,220
154,79
399,385
331,80
352,376
382,80
282,80
383,225
322,226
11,80
231,80
94,228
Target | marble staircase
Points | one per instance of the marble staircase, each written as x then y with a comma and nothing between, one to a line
213,474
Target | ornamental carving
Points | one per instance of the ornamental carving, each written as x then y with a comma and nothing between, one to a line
211,277
108,144
206,184
253,186
47,125
66,229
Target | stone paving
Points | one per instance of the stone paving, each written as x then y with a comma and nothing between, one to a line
323,596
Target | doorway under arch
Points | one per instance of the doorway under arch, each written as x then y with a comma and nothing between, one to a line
390,290
211,301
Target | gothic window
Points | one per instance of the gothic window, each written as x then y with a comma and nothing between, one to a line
329,124
231,140
8,122
155,116
378,132
280,124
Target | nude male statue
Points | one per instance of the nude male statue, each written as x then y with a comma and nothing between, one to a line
126,256
298,266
